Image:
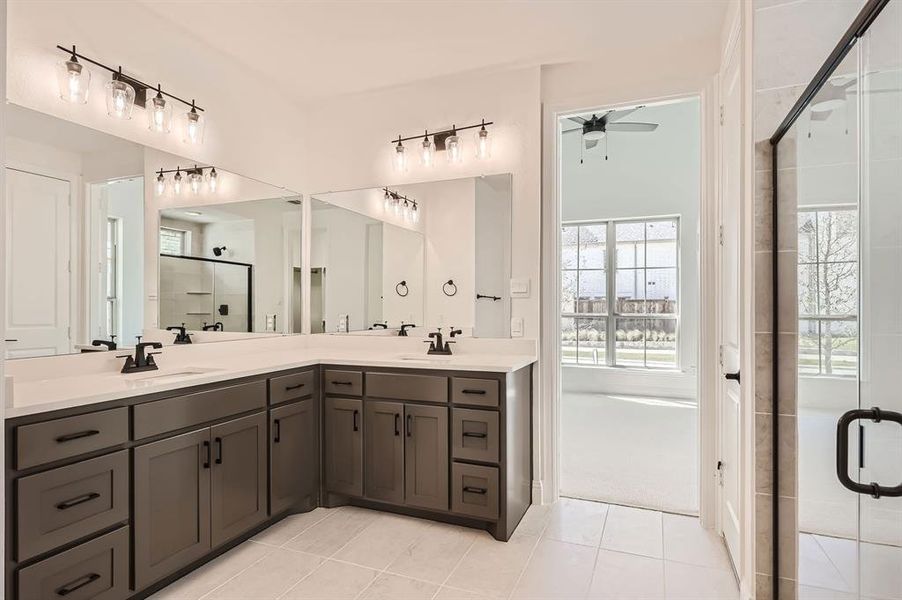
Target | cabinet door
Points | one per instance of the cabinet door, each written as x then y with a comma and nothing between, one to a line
426,456
294,463
344,446
238,500
384,457
171,504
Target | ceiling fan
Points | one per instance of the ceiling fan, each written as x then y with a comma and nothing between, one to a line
595,129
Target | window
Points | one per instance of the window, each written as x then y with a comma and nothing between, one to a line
828,292
639,261
173,241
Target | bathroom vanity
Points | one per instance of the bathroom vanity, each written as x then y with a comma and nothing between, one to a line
117,498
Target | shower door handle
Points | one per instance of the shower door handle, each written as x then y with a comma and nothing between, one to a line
842,451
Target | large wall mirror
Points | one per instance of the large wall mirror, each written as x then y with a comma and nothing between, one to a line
433,254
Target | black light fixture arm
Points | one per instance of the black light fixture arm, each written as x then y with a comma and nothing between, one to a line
398,196
194,169
455,129
118,73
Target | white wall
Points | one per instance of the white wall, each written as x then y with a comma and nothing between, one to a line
125,201
403,259
493,256
645,175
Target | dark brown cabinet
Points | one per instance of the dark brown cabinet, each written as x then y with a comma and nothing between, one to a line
238,488
294,456
171,504
343,443
384,457
426,456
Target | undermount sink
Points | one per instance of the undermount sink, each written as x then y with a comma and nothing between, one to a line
155,376
425,358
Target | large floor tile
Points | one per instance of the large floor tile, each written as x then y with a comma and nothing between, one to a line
492,568
557,570
686,541
449,593
634,530
332,581
269,577
291,526
576,521
620,576
535,520
435,554
210,576
396,587
329,536
385,539
692,582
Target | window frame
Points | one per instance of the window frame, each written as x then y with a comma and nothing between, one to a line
186,240
612,316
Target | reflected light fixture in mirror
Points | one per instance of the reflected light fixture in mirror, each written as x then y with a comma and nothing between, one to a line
177,182
195,180
159,112
212,180
160,186
74,80
120,98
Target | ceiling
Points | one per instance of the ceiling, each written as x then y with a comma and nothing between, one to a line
314,49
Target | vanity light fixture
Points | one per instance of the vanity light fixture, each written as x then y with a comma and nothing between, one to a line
447,140
402,206
212,180
74,79
161,184
123,92
196,176
195,179
177,182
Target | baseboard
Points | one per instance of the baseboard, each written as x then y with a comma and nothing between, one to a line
538,492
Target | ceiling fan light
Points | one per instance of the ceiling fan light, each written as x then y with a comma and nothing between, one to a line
596,135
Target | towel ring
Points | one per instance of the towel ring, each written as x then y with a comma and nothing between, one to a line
402,286
449,285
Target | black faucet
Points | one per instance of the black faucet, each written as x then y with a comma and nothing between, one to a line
110,343
455,332
182,337
217,326
382,325
437,346
141,361
404,328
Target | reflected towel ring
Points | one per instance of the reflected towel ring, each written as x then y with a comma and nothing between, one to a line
402,287
449,285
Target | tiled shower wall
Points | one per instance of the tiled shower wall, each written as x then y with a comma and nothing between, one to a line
792,38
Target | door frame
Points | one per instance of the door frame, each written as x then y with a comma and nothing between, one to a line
77,319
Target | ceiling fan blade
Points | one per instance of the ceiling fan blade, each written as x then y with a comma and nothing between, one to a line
579,120
631,126
591,144
616,115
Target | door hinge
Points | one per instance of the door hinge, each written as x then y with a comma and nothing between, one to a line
720,234
720,467
721,114
720,355
69,333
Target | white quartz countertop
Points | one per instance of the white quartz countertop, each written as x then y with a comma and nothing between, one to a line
181,367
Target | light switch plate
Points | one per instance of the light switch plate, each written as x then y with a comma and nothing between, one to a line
342,323
519,288
270,322
516,326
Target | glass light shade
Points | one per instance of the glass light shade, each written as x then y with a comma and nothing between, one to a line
177,183
74,81
415,214
212,181
120,99
427,152
399,159
160,184
194,181
386,201
452,147
483,144
193,126
159,113
396,205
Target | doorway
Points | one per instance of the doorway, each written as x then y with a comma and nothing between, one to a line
317,299
630,196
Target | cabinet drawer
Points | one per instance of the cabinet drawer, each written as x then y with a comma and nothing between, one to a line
399,386
343,383
475,392
290,387
97,570
474,491
62,505
474,435
63,438
160,416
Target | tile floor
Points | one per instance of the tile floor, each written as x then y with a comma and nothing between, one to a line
571,550
829,568
599,430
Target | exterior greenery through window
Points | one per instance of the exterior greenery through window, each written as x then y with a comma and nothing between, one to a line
639,261
828,292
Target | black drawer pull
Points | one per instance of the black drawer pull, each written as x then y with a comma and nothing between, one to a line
77,584
475,434
219,451
475,490
397,424
477,392
77,500
288,388
409,425
206,454
77,436
277,424
342,383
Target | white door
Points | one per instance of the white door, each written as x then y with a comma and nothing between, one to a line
728,389
37,265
